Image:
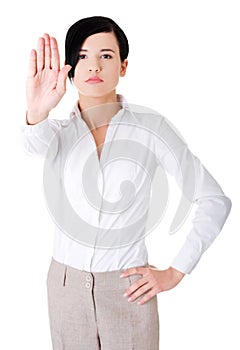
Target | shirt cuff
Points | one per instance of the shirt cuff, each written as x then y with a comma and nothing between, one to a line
186,259
36,128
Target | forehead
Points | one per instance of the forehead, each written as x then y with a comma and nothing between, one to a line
100,41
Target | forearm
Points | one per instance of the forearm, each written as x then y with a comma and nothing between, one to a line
208,221
37,138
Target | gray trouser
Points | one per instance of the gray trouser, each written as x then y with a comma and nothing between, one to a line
87,311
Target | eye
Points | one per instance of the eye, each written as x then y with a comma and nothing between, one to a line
82,57
106,56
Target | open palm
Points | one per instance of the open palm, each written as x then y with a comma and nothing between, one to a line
46,83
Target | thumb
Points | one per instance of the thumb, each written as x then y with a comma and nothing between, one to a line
62,78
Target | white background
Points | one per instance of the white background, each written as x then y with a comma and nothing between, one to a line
184,62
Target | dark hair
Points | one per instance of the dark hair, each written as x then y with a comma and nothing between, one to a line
85,27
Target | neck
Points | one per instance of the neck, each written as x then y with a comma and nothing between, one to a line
98,111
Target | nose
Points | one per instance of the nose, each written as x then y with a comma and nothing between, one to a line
94,67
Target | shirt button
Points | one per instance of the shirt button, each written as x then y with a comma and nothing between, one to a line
88,285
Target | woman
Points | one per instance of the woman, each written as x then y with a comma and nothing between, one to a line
102,293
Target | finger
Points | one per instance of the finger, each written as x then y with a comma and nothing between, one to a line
147,297
138,293
47,48
62,78
55,54
135,286
40,54
32,69
133,271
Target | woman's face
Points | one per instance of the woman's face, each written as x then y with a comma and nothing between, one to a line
99,67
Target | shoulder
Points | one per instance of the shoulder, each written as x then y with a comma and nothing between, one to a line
144,116
156,123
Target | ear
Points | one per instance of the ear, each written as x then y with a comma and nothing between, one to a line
123,70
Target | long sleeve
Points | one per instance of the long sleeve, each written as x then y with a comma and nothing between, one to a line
37,138
199,187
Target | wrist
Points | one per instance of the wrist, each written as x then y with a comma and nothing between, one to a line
32,119
176,274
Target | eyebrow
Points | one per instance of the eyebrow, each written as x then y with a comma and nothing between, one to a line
84,50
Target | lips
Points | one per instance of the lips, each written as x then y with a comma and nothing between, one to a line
94,80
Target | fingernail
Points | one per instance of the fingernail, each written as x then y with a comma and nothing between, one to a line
125,294
122,275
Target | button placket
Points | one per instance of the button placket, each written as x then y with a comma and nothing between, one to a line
88,281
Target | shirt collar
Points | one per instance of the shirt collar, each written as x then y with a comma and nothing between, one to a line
76,112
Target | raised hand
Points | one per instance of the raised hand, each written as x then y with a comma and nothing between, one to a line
46,83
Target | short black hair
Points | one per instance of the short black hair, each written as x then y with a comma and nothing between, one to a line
85,27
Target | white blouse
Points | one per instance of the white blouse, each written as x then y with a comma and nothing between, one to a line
103,209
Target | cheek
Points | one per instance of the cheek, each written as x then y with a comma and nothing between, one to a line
77,71
76,81
113,72
81,69
79,76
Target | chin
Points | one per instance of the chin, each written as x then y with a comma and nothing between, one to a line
96,94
